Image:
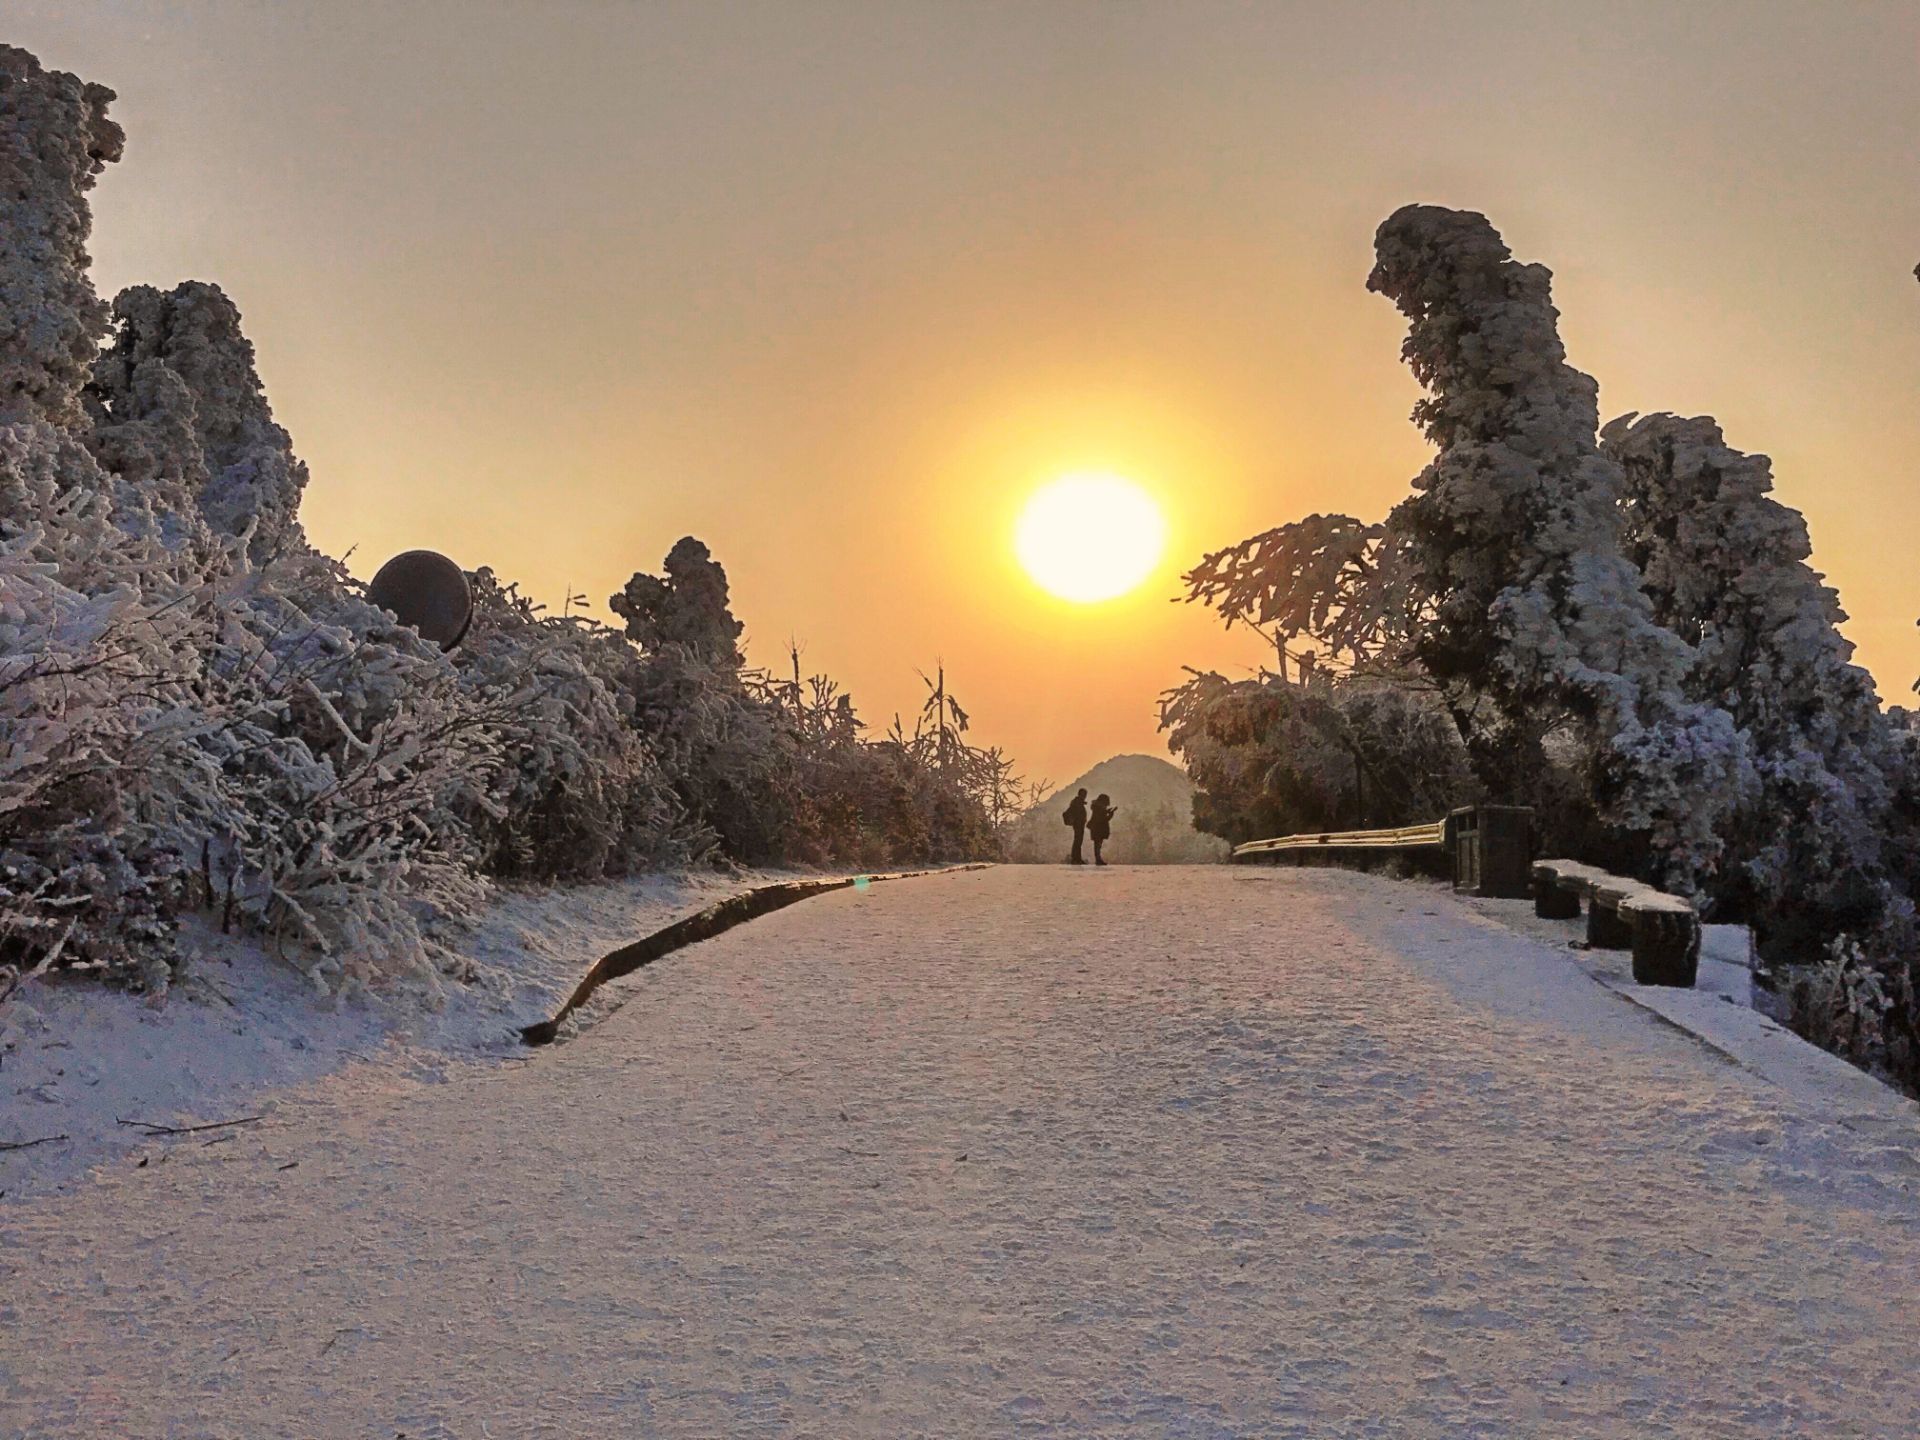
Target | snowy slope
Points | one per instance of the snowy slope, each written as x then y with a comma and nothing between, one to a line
77,1058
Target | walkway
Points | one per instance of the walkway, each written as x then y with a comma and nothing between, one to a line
1030,1151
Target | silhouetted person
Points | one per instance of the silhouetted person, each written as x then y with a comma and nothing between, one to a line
1076,816
1100,824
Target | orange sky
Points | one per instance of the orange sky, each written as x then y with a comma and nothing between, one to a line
834,286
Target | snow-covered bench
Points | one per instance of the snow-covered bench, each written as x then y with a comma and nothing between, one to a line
1662,931
1560,885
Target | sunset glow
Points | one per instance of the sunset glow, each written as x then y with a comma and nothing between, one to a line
1090,537
1130,239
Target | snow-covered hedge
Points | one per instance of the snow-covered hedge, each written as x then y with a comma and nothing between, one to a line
586,795
199,711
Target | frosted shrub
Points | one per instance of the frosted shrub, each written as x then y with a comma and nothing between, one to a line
1841,1003
585,797
98,716
352,750
238,742
1272,758
725,747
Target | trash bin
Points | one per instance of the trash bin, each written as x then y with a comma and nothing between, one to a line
1492,850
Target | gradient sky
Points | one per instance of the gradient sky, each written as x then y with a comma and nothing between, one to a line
835,286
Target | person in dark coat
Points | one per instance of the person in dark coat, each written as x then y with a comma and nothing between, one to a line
1076,816
1100,824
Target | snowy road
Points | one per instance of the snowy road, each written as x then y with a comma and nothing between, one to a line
1140,1152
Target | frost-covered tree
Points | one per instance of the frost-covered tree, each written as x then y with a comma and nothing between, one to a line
721,738
1269,757
177,394
1346,587
1514,530
1502,583
55,138
1726,566
687,606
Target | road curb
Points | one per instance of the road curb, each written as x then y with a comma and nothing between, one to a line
716,919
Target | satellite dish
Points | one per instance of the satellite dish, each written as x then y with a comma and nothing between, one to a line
426,590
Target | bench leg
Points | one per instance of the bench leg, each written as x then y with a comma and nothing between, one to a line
1666,949
1606,930
1551,902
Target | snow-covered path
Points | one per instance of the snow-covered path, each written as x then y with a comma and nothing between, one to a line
1195,1152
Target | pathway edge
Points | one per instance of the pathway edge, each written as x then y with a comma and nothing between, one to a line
716,919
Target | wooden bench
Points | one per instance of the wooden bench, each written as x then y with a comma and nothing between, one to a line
1662,931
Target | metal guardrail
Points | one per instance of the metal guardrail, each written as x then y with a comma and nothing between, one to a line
1489,848
1407,837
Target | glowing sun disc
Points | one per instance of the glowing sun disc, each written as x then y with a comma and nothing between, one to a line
1090,537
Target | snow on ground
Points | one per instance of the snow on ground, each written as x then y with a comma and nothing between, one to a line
1725,1010
76,1058
1029,1151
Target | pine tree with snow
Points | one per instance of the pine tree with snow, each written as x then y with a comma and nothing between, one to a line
687,606
177,393
1515,532
1726,566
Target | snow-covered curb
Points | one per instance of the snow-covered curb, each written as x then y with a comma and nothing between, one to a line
76,1059
716,919
1720,1012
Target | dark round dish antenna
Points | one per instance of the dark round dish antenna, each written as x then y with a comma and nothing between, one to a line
426,590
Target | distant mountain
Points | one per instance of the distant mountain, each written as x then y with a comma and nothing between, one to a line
1154,825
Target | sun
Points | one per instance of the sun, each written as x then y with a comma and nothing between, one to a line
1090,536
